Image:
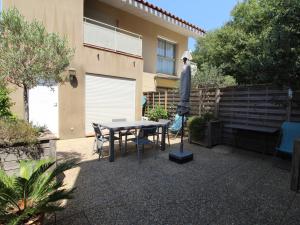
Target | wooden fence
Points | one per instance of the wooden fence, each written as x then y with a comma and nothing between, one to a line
201,100
246,106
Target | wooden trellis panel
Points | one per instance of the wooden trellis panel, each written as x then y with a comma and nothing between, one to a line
258,106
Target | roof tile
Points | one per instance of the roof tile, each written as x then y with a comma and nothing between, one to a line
170,15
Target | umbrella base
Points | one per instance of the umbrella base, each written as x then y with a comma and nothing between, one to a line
181,157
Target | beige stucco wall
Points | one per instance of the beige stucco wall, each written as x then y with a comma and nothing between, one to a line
149,84
66,18
150,32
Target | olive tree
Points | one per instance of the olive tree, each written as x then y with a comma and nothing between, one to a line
5,102
30,55
208,76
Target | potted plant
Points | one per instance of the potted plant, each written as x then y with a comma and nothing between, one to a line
204,130
25,199
158,112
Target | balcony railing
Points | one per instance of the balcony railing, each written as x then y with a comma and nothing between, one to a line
106,36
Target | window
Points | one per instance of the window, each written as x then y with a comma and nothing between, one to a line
166,57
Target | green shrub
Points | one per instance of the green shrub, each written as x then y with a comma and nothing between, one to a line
158,112
16,132
208,117
197,124
26,198
40,128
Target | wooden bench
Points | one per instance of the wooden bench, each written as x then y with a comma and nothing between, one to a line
265,131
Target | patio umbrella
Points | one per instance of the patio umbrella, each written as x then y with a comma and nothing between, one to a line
185,86
183,108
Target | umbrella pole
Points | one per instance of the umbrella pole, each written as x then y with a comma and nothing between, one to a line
181,156
182,133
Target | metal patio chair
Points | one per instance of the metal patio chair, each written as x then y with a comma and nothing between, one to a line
176,126
100,139
124,133
142,138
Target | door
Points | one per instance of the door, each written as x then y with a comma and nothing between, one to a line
108,98
43,107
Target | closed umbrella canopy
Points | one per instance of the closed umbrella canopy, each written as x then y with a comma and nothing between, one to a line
185,85
183,108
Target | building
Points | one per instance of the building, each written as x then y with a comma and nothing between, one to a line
122,49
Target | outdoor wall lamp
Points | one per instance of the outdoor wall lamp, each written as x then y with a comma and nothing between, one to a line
72,75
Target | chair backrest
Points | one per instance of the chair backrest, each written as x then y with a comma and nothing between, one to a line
146,131
177,124
290,132
97,129
119,120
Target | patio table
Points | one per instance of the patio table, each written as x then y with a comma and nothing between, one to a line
127,125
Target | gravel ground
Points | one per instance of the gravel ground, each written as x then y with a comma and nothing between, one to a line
220,186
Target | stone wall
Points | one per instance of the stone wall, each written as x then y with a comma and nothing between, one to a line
11,157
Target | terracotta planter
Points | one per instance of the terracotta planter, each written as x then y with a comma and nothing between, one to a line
38,220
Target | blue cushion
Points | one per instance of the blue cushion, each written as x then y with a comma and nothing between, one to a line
290,132
177,124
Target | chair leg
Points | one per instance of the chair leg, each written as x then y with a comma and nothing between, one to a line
156,146
139,154
120,142
125,149
177,134
95,145
153,145
169,139
100,150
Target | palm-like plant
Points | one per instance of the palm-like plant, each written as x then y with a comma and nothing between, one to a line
35,192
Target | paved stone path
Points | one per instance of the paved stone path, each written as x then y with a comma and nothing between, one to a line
219,187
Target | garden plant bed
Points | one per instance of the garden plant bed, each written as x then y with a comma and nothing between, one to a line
207,134
11,156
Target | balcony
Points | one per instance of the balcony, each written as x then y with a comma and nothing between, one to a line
112,38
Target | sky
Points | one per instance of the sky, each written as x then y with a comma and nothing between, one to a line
207,14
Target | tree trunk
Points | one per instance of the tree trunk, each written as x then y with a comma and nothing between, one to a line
26,103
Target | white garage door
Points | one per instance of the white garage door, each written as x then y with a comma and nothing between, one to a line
108,98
